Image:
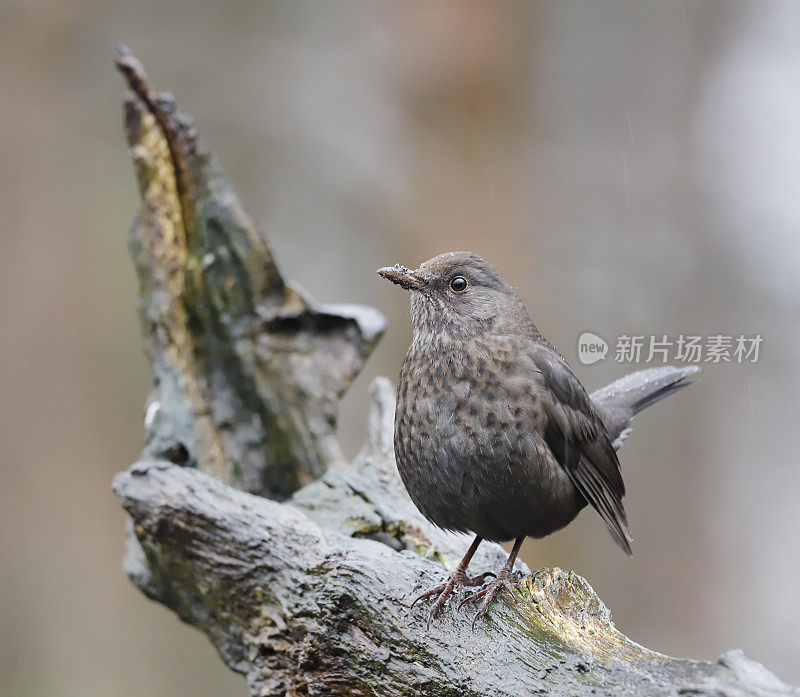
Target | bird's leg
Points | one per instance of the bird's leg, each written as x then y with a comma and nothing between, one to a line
458,579
503,580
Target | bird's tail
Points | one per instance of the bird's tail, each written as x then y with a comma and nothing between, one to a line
620,401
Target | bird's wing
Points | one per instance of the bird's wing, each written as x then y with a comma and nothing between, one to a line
579,441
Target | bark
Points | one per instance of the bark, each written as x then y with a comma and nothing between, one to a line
246,521
248,369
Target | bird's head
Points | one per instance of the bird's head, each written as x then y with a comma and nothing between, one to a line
458,292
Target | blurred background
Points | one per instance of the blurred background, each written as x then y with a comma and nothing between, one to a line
632,166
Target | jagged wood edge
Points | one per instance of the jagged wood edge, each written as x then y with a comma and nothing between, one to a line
248,369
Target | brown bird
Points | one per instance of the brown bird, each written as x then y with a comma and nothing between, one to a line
494,434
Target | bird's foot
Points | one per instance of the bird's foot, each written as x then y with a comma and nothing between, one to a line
458,580
505,579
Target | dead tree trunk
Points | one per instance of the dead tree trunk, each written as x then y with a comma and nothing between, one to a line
247,522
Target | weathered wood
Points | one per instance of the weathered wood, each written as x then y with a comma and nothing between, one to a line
309,594
248,369
295,597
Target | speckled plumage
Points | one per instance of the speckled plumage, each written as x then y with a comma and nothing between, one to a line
494,434
468,439
473,409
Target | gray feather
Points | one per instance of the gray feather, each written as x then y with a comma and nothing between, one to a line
620,401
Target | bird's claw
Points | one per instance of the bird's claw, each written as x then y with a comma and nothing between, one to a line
444,590
428,593
503,580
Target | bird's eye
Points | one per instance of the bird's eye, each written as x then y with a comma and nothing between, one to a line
458,284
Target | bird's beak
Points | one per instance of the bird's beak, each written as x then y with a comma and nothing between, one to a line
403,277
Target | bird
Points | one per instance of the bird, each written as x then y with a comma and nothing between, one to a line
494,435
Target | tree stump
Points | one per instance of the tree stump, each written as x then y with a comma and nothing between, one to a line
246,520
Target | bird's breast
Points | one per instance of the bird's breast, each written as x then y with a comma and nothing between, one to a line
468,438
